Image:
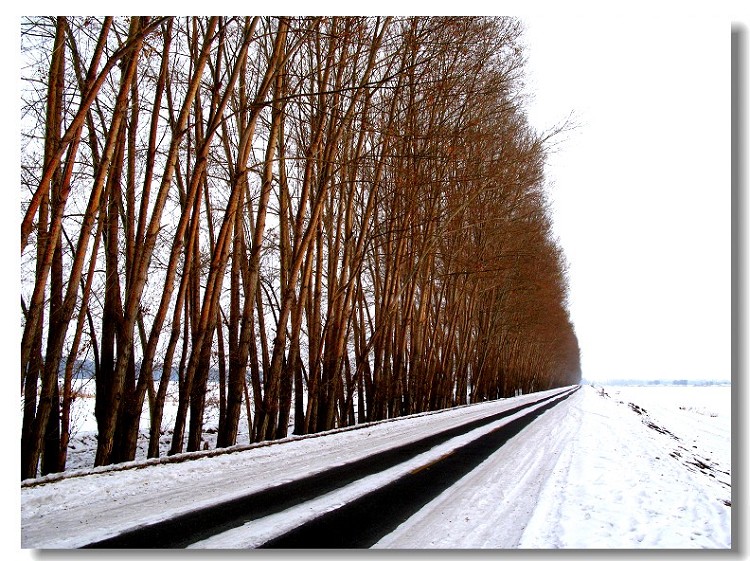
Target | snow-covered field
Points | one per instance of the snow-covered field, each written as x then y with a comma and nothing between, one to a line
630,468
649,467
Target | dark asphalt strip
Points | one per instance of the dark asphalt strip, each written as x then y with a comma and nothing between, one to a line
197,525
361,523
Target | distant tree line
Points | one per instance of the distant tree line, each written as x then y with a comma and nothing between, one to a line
343,216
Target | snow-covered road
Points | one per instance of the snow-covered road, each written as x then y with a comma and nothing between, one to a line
92,505
592,472
491,506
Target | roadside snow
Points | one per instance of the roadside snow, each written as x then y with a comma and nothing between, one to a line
655,479
82,447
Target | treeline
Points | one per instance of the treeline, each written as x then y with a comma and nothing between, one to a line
344,216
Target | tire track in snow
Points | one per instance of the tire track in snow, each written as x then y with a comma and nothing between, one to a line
201,524
362,522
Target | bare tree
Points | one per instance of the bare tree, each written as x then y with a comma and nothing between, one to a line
341,219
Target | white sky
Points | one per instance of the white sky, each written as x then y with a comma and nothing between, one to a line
641,188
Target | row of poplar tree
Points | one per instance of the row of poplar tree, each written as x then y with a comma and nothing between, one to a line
344,218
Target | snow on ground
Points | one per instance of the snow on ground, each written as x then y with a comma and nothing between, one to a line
596,473
649,467
631,468
93,504
82,448
489,507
